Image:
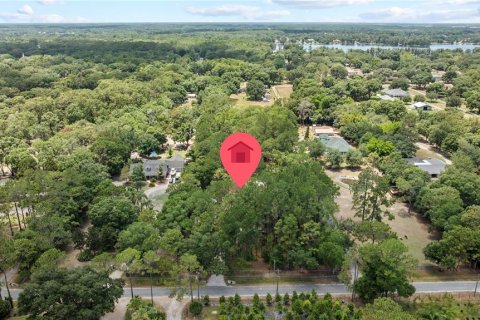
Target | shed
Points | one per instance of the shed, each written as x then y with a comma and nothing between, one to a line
329,131
421,106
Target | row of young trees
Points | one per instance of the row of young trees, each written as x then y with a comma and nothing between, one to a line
311,306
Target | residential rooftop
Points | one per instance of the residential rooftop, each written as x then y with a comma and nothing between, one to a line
335,143
396,93
432,166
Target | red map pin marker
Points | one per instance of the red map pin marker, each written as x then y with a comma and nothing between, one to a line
240,154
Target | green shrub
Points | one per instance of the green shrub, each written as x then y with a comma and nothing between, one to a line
85,255
206,300
269,299
419,98
5,308
141,309
195,308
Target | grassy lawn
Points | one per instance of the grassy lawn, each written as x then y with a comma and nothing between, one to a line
240,101
424,154
282,91
159,200
413,230
284,279
145,281
434,274
165,154
208,313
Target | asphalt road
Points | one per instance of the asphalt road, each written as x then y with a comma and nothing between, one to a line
334,289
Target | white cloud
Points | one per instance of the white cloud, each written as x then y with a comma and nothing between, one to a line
45,18
246,12
320,4
398,14
458,2
26,9
48,2
27,14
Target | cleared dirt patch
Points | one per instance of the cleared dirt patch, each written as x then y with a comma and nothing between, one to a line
411,228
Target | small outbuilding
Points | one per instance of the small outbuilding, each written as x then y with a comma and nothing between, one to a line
421,106
329,131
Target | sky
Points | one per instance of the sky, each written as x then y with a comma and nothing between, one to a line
357,11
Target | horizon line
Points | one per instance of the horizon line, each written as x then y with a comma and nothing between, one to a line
242,22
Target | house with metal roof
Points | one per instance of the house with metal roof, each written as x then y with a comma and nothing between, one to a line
396,93
334,142
434,167
386,98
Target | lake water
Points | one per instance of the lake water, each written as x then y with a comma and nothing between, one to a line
365,47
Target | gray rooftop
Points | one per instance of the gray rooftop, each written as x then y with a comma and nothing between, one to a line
396,93
421,105
151,167
431,165
334,142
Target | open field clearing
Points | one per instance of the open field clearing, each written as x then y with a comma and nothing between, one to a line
241,101
411,228
282,91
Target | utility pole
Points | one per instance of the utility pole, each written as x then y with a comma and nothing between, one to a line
197,276
151,286
130,280
354,280
277,273
476,287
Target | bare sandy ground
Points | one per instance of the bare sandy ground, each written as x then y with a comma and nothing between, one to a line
411,228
